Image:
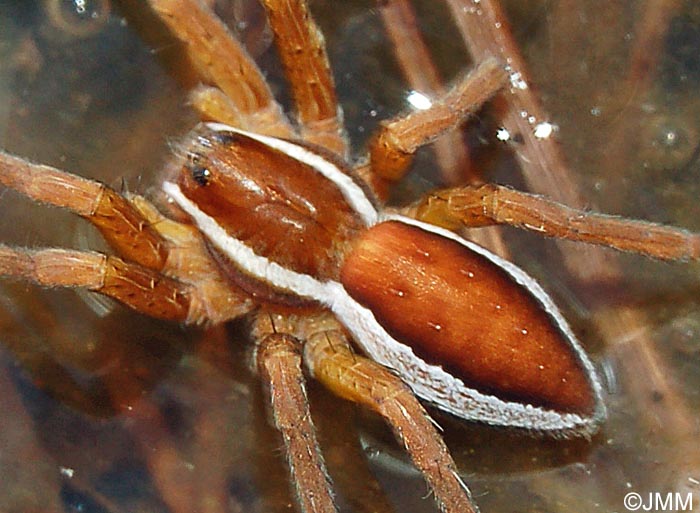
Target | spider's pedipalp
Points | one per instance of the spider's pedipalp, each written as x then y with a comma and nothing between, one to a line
212,104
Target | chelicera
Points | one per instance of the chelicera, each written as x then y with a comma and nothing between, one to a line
270,221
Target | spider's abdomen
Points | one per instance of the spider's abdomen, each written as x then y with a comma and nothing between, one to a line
457,309
269,198
467,330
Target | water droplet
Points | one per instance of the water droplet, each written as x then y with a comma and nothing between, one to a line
418,100
502,134
544,130
516,80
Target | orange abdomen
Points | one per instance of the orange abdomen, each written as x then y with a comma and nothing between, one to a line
458,309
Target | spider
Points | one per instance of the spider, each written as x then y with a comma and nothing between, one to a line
186,268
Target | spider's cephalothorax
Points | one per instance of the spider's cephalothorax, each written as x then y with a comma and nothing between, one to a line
288,222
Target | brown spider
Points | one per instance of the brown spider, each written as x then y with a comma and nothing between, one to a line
188,270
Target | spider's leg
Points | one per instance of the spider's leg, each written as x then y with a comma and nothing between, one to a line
278,357
122,226
302,50
451,151
212,104
221,61
421,74
139,288
330,359
392,149
135,229
494,204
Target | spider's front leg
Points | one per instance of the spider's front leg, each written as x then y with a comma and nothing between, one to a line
163,269
302,50
236,92
122,226
137,287
494,204
140,286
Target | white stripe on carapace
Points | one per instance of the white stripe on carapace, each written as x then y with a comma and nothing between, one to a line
352,192
430,382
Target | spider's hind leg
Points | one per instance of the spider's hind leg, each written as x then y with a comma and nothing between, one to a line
330,359
278,358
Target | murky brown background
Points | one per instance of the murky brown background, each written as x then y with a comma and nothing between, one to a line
104,410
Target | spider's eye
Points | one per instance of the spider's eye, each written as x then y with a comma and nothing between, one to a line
201,175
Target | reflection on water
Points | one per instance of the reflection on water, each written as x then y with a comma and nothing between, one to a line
108,411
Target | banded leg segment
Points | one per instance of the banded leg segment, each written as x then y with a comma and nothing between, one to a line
122,226
301,48
137,287
221,61
494,204
331,361
278,359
